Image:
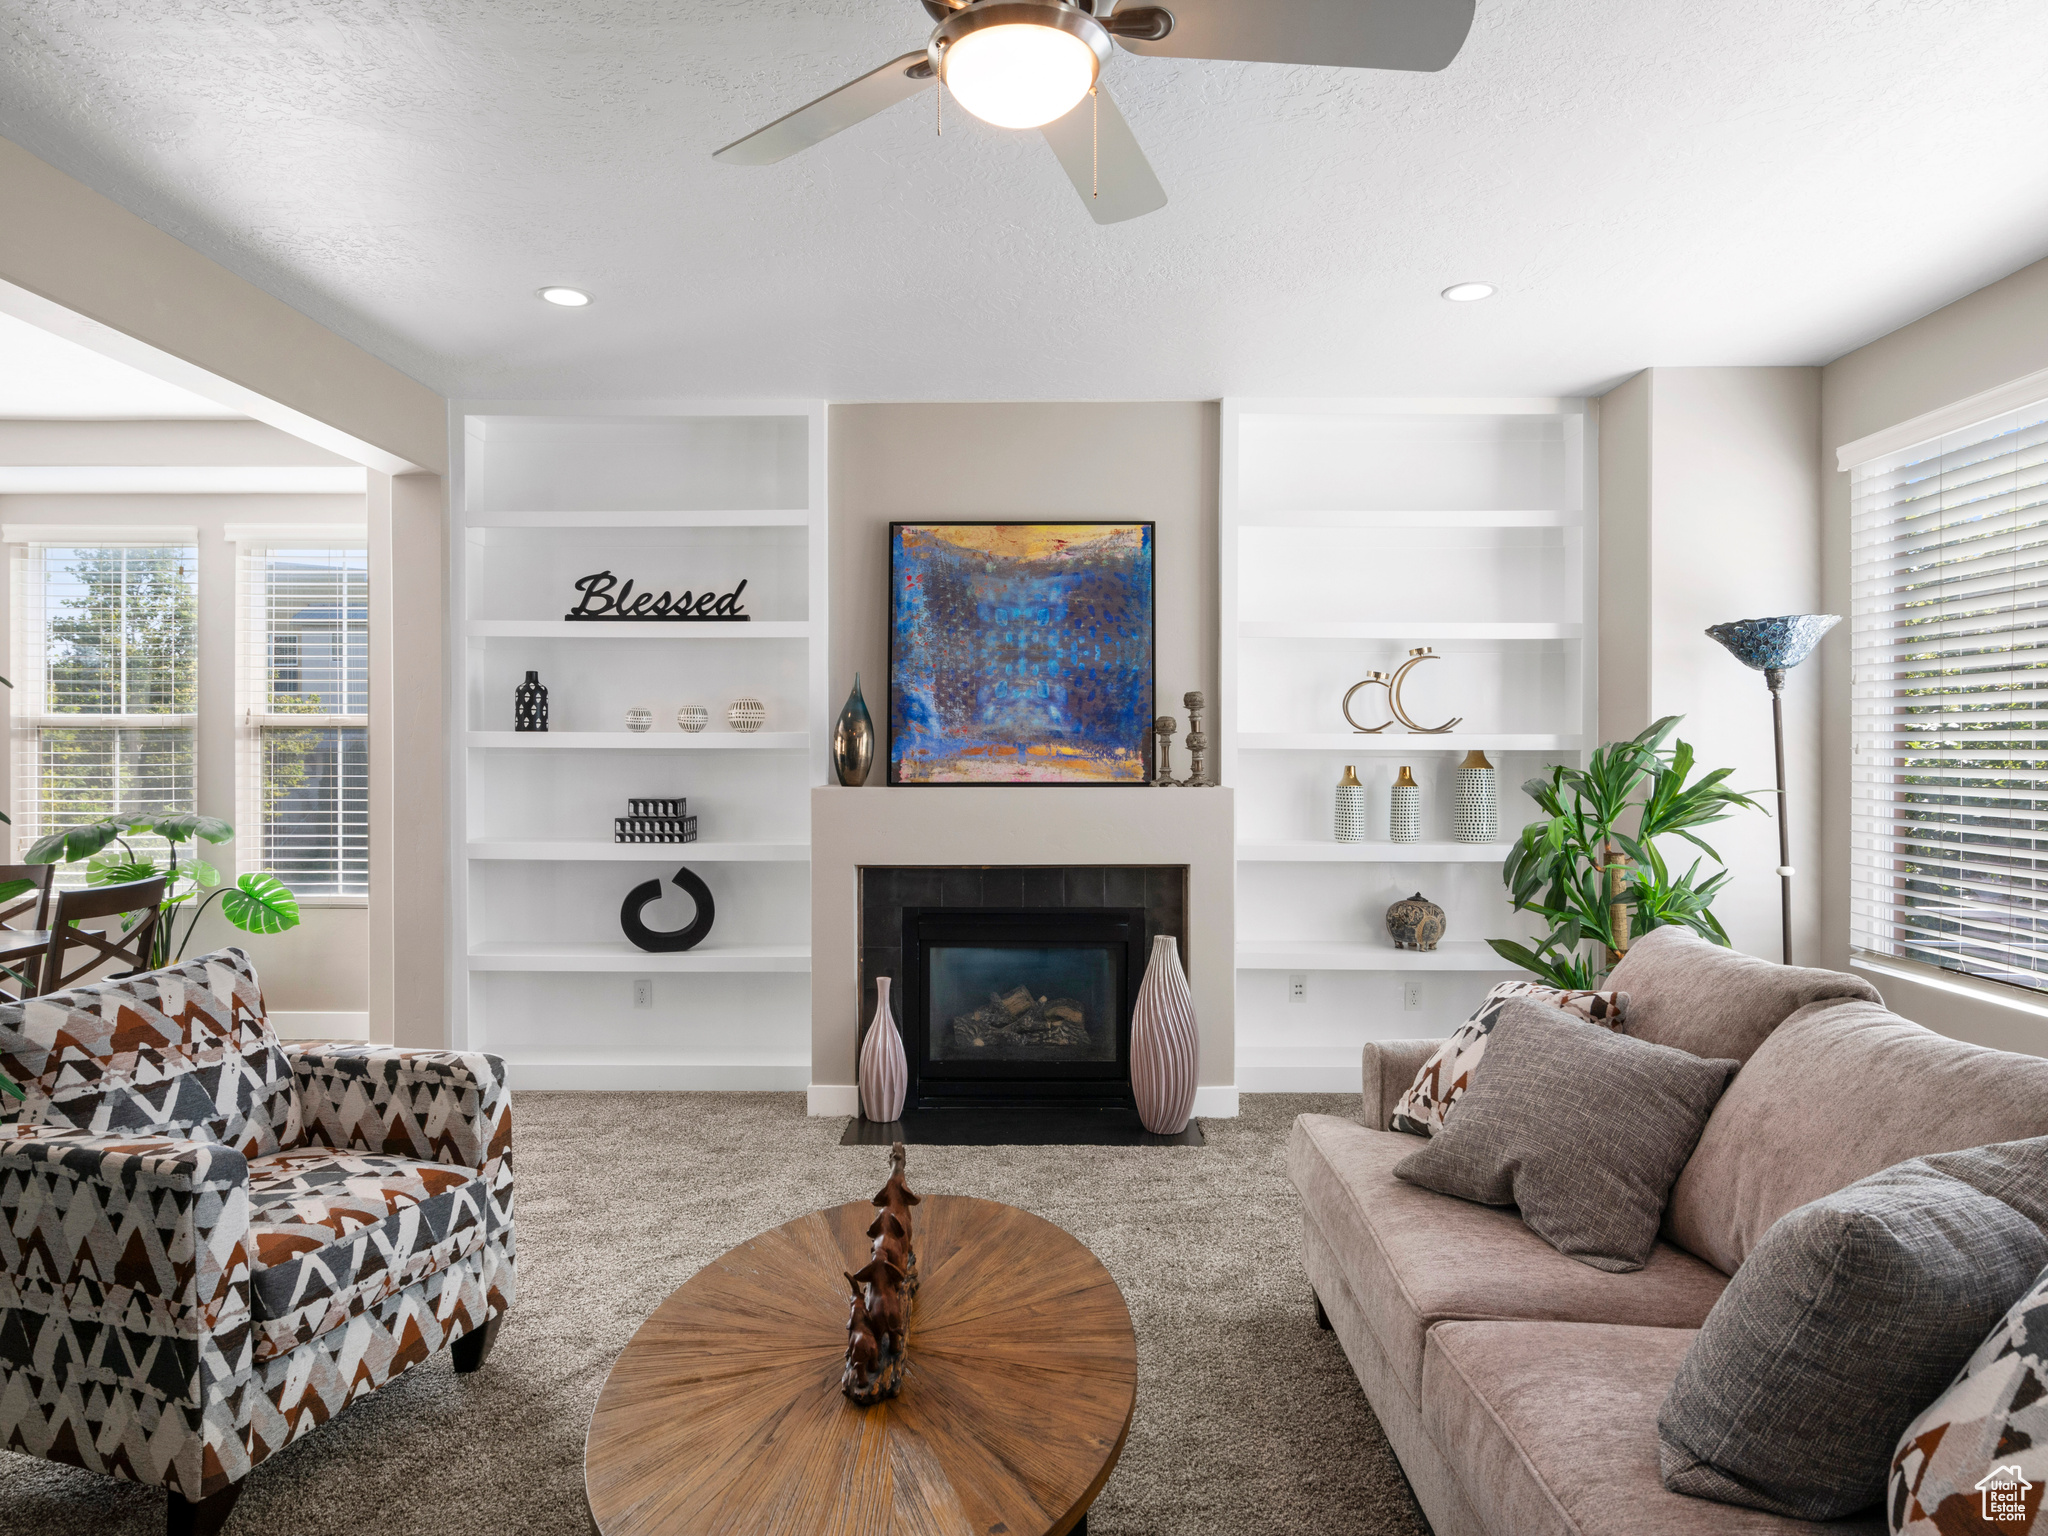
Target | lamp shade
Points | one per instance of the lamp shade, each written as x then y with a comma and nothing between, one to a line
1772,645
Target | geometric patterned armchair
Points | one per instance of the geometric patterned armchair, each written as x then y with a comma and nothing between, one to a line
211,1243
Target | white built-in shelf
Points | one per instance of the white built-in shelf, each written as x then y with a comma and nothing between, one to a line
1373,853
1279,955
651,741
621,956
568,849
640,519
625,852
672,495
1251,629
562,629
1474,518
1338,741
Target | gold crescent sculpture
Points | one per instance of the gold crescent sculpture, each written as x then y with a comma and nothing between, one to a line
1415,659
1383,680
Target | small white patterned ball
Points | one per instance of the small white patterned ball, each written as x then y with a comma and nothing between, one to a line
746,715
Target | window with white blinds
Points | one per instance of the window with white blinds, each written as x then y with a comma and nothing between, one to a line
303,675
106,686
1950,828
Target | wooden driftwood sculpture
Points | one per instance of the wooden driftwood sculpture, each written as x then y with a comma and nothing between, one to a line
878,1319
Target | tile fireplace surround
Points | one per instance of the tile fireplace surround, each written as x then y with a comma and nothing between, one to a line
1038,836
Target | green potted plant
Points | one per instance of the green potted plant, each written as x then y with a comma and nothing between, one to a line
258,902
1591,867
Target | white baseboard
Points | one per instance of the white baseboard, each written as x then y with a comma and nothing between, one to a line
844,1099
656,1077
834,1099
1216,1103
320,1026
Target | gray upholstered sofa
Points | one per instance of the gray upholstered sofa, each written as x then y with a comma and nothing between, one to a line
1519,1387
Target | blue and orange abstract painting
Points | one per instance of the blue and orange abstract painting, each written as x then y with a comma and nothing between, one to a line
1020,653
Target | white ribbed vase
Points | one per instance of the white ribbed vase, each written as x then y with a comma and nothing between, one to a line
884,1070
1165,1045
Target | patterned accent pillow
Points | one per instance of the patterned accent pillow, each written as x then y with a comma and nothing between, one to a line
1448,1072
1982,1447
185,1051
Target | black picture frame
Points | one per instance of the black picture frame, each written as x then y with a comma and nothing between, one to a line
1143,743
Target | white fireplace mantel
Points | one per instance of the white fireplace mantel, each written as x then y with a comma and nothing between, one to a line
1017,825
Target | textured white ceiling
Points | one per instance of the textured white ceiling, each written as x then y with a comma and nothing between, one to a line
46,376
1648,181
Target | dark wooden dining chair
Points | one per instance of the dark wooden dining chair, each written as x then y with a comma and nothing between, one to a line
26,912
74,907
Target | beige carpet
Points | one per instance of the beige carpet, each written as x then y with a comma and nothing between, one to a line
1249,1420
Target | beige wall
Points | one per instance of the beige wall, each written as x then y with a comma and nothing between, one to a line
82,266
1153,461
1709,512
1994,335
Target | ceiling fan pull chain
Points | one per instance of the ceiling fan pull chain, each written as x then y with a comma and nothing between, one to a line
1095,108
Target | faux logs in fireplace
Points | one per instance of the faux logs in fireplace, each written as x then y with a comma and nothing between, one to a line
1018,1006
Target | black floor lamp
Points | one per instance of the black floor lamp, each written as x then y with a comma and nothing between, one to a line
1774,647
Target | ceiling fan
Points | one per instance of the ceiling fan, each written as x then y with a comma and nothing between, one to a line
1031,63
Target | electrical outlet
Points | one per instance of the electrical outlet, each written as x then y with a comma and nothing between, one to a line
643,991
1297,987
1411,996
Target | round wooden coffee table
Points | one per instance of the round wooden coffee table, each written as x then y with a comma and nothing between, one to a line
724,1412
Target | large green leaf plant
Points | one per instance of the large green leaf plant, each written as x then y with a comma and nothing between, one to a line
1591,868
258,902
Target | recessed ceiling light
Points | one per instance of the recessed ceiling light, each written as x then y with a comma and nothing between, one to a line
576,298
1468,293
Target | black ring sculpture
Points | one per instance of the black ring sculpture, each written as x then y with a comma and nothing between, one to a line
683,938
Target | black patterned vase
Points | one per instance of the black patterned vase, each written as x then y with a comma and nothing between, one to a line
530,705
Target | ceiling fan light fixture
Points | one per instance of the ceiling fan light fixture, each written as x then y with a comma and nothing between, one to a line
1020,63
1469,293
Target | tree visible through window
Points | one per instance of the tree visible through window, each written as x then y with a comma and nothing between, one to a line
107,690
306,688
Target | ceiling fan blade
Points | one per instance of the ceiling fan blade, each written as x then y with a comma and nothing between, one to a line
1122,185
1357,34
852,103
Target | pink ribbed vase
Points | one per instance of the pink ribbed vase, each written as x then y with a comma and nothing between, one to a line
884,1071
1165,1045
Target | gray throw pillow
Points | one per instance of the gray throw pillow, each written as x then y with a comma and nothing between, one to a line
1848,1318
1584,1129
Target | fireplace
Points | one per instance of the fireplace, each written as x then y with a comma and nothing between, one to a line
1020,1005
1014,986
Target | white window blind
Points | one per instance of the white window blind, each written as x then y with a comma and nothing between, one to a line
106,685
303,676
1950,807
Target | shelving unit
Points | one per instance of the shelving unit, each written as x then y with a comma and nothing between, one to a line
1351,532
695,497
1278,955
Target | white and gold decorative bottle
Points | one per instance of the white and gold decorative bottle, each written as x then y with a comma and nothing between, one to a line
1475,818
1404,809
1350,807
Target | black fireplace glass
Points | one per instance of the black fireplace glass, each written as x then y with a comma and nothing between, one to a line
1024,1003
